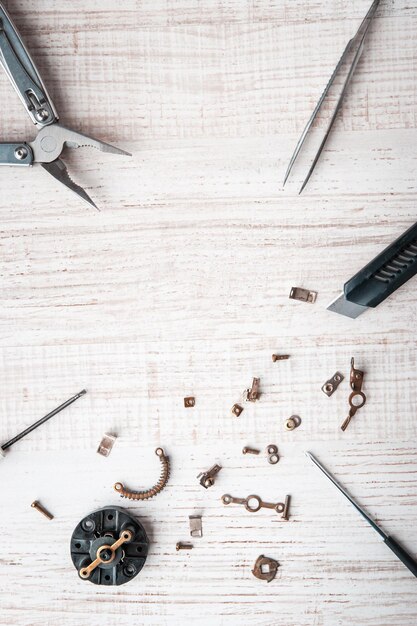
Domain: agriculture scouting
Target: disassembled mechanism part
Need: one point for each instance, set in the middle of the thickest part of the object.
(254, 503)
(41, 509)
(207, 479)
(357, 398)
(183, 546)
(293, 422)
(189, 402)
(149, 493)
(304, 295)
(196, 526)
(280, 357)
(332, 384)
(272, 452)
(109, 547)
(237, 410)
(106, 444)
(247, 450)
(252, 394)
(265, 568)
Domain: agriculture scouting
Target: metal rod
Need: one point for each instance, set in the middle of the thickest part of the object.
(345, 493)
(47, 417)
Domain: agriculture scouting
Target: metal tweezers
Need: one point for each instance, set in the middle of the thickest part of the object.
(357, 42)
(52, 137)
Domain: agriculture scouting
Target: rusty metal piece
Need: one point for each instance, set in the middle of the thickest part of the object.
(254, 503)
(272, 452)
(265, 568)
(196, 525)
(247, 450)
(106, 554)
(304, 295)
(106, 444)
(357, 398)
(332, 384)
(207, 479)
(252, 394)
(36, 505)
(293, 422)
(237, 410)
(189, 402)
(149, 493)
(280, 357)
(183, 546)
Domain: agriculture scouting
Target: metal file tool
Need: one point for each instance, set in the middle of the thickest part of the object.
(355, 48)
(380, 278)
(52, 137)
(395, 547)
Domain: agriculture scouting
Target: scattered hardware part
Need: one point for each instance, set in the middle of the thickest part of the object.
(357, 398)
(149, 493)
(237, 410)
(392, 544)
(247, 450)
(196, 526)
(36, 505)
(189, 402)
(265, 568)
(47, 417)
(109, 547)
(332, 384)
(280, 357)
(52, 137)
(254, 503)
(252, 394)
(272, 452)
(304, 295)
(207, 479)
(380, 278)
(293, 422)
(355, 48)
(183, 546)
(106, 444)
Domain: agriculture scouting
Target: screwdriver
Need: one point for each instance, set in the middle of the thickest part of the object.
(395, 547)
(47, 417)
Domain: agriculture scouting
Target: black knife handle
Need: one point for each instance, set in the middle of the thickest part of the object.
(386, 273)
(402, 554)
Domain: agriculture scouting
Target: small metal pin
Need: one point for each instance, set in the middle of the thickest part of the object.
(41, 509)
(280, 357)
(247, 450)
(286, 511)
(183, 546)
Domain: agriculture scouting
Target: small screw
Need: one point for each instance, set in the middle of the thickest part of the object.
(286, 512)
(183, 546)
(39, 507)
(41, 115)
(280, 357)
(247, 450)
(21, 153)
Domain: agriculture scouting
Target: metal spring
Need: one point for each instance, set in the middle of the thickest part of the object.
(149, 493)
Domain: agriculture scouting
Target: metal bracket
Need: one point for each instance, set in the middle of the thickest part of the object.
(332, 384)
(304, 295)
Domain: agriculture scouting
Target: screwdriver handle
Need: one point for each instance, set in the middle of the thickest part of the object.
(402, 554)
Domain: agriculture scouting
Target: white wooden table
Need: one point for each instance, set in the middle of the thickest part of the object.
(179, 286)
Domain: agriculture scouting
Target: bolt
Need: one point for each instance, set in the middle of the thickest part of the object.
(21, 153)
(106, 555)
(247, 450)
(39, 507)
(183, 546)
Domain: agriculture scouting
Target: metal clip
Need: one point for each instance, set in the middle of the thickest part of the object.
(332, 384)
(304, 295)
(106, 444)
(357, 398)
(196, 526)
(265, 568)
(251, 395)
(207, 478)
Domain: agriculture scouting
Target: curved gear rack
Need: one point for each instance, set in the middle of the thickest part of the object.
(149, 493)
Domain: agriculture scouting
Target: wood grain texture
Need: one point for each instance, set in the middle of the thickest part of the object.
(179, 286)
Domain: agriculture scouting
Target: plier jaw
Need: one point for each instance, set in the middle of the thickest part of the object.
(52, 138)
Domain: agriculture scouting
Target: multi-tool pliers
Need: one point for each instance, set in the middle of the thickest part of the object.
(52, 137)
